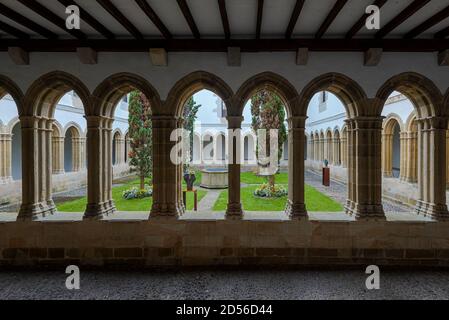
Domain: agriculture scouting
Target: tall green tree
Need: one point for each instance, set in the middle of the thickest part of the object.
(140, 133)
(268, 112)
(189, 114)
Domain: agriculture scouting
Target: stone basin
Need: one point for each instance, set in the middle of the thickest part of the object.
(214, 178)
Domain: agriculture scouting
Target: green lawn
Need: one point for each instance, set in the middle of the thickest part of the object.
(315, 201)
(122, 204)
(251, 178)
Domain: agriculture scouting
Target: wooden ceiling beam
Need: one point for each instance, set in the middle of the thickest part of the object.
(151, 14)
(27, 23)
(362, 20)
(401, 17)
(120, 17)
(224, 18)
(442, 33)
(339, 4)
(48, 15)
(259, 18)
(189, 18)
(13, 31)
(222, 45)
(429, 23)
(294, 18)
(87, 17)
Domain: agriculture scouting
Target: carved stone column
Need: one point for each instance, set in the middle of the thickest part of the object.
(403, 155)
(412, 157)
(336, 159)
(235, 144)
(344, 150)
(432, 168)
(447, 159)
(36, 168)
(296, 208)
(99, 171)
(365, 196)
(387, 148)
(166, 181)
(5, 158)
(58, 154)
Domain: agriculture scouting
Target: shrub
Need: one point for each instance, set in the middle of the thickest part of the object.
(265, 191)
(135, 193)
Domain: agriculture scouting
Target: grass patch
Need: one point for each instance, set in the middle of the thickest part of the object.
(251, 178)
(121, 204)
(315, 201)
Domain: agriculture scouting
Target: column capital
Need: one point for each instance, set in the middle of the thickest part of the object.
(165, 122)
(433, 123)
(297, 122)
(367, 122)
(98, 121)
(234, 122)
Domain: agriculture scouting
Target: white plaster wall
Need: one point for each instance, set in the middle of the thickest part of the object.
(182, 63)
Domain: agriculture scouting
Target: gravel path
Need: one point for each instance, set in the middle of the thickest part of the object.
(204, 285)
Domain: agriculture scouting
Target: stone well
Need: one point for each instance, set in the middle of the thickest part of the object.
(214, 178)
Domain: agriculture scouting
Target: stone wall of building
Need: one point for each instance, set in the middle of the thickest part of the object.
(157, 243)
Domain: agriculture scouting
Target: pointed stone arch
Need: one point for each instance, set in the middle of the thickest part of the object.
(45, 92)
(421, 91)
(7, 86)
(347, 90)
(109, 92)
(272, 82)
(191, 84)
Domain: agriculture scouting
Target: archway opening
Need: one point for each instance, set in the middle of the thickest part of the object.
(10, 154)
(325, 174)
(399, 152)
(264, 169)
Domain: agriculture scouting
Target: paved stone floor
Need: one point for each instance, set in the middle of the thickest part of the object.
(203, 285)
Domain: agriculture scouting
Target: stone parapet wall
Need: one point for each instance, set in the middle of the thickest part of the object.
(12, 191)
(152, 243)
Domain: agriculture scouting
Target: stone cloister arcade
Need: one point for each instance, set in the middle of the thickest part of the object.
(362, 136)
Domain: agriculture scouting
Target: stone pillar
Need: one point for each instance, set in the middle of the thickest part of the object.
(36, 168)
(99, 171)
(166, 184)
(403, 155)
(58, 154)
(336, 152)
(447, 159)
(364, 174)
(387, 149)
(344, 150)
(5, 158)
(296, 208)
(432, 168)
(412, 157)
(47, 166)
(235, 144)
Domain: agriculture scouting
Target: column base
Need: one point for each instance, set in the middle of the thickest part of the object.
(234, 211)
(166, 211)
(365, 211)
(99, 210)
(296, 211)
(55, 172)
(435, 211)
(36, 210)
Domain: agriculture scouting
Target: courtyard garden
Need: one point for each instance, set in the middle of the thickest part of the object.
(315, 200)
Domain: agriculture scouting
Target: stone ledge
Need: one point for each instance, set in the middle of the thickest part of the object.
(212, 243)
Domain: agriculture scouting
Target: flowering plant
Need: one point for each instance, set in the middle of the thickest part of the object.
(135, 193)
(267, 191)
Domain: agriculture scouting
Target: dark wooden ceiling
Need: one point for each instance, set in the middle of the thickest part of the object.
(191, 25)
